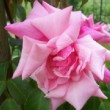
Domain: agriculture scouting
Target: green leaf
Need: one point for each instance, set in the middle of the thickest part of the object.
(15, 62)
(37, 101)
(3, 70)
(107, 93)
(76, 3)
(2, 87)
(84, 2)
(14, 41)
(9, 104)
(92, 104)
(70, 2)
(108, 86)
(21, 13)
(19, 89)
(66, 106)
(104, 106)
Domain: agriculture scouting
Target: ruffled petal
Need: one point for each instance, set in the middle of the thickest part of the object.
(84, 55)
(76, 21)
(27, 45)
(25, 28)
(57, 22)
(41, 77)
(37, 11)
(106, 76)
(36, 57)
(80, 91)
(63, 41)
(98, 55)
(96, 35)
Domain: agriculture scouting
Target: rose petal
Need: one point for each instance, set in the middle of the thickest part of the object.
(41, 77)
(63, 42)
(80, 91)
(96, 35)
(57, 22)
(58, 92)
(84, 55)
(25, 28)
(98, 55)
(76, 21)
(37, 56)
(106, 76)
(27, 45)
(37, 11)
(49, 8)
(100, 94)
(56, 102)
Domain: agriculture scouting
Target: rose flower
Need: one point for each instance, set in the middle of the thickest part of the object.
(61, 52)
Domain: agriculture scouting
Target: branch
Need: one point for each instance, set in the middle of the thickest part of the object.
(8, 11)
(4, 44)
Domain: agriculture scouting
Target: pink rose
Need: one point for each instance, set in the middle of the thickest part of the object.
(80, 22)
(66, 74)
(61, 54)
(98, 31)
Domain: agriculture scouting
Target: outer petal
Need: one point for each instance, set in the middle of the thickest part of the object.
(27, 45)
(37, 56)
(56, 102)
(76, 20)
(40, 76)
(106, 76)
(97, 64)
(103, 37)
(96, 35)
(107, 55)
(87, 41)
(89, 21)
(25, 28)
(58, 92)
(98, 55)
(80, 91)
(37, 11)
(100, 94)
(49, 8)
(75, 17)
(57, 22)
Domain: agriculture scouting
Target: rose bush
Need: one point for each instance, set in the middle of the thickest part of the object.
(61, 52)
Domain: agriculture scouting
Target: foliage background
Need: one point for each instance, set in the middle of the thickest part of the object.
(101, 13)
(16, 94)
